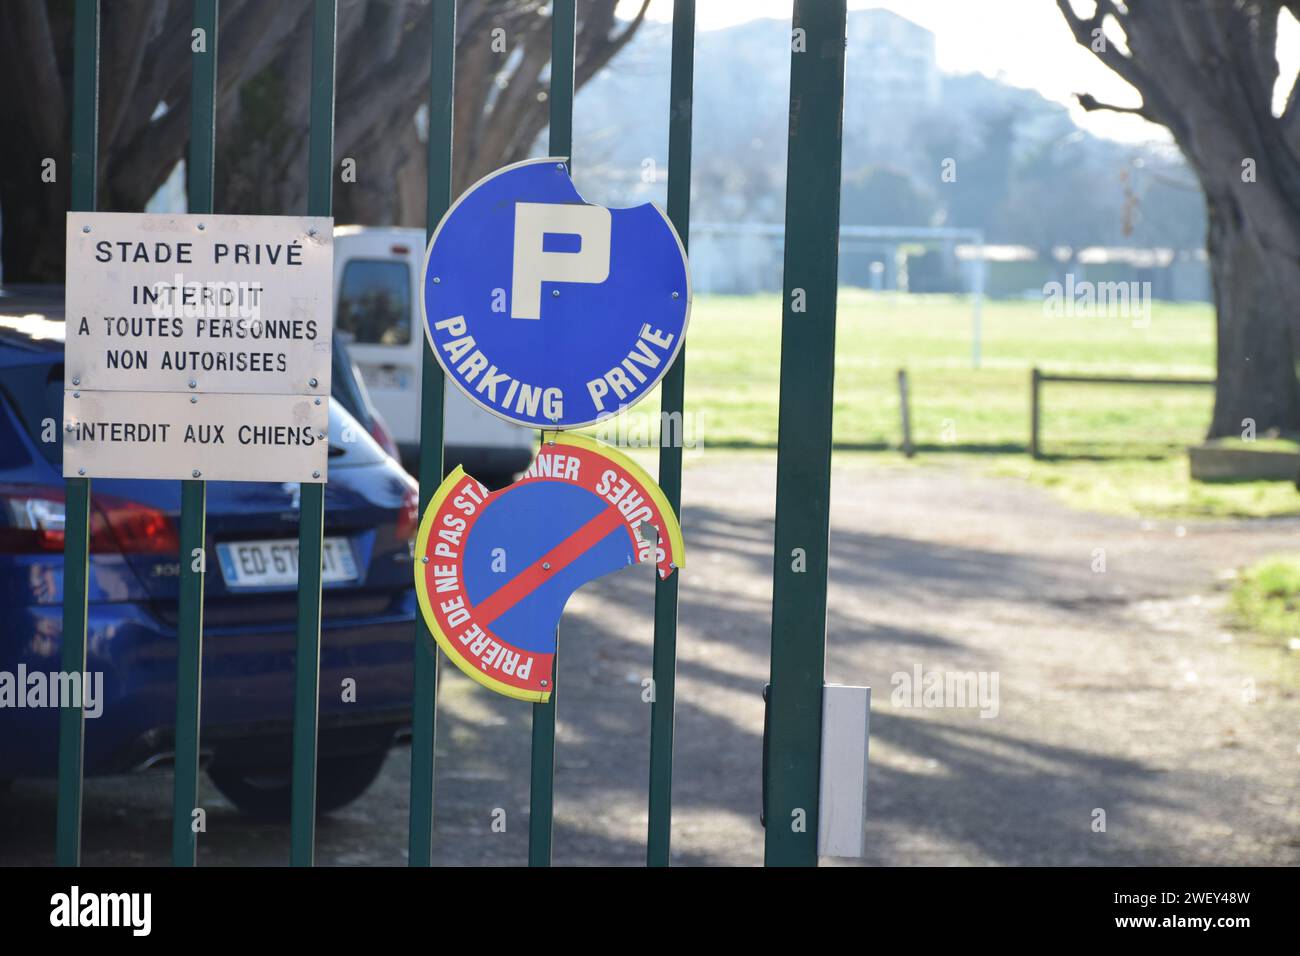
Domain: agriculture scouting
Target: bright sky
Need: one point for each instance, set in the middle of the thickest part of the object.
(1023, 42)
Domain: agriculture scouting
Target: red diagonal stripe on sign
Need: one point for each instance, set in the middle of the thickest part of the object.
(534, 576)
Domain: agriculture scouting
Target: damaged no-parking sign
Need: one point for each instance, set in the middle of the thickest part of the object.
(494, 570)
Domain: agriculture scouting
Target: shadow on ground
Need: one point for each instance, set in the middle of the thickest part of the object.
(947, 786)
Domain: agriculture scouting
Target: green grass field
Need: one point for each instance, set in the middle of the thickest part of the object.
(1266, 598)
(1113, 448)
(734, 354)
(1265, 607)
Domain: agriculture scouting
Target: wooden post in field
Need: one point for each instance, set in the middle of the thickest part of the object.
(1035, 378)
(905, 412)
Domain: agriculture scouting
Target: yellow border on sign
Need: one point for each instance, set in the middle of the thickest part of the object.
(651, 486)
(426, 607)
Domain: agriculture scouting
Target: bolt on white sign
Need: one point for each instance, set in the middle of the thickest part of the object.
(198, 346)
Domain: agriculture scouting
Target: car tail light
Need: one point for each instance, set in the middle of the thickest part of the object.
(408, 519)
(382, 436)
(32, 520)
(133, 528)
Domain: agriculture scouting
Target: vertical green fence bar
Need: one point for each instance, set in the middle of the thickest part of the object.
(541, 796)
(194, 493)
(424, 707)
(803, 475)
(76, 529)
(671, 403)
(311, 527)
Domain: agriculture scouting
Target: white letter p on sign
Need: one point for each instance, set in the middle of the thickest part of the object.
(533, 265)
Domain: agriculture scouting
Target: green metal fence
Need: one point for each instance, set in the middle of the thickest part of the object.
(194, 494)
(425, 704)
(76, 539)
(791, 761)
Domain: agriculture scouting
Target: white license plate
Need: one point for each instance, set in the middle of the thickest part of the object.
(379, 377)
(263, 564)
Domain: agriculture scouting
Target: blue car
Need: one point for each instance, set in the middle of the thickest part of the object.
(369, 605)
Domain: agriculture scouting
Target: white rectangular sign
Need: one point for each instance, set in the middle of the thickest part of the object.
(207, 310)
(214, 437)
(842, 809)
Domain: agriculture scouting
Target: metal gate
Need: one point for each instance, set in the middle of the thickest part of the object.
(791, 775)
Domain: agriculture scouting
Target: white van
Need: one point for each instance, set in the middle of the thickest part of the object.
(378, 273)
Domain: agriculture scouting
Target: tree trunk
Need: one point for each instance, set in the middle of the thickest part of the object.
(1252, 242)
(389, 188)
(1255, 296)
(33, 128)
(32, 243)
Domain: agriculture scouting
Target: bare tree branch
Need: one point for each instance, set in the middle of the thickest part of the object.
(262, 103)
(1091, 103)
(1083, 30)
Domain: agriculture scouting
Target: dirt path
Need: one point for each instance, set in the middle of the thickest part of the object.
(1117, 691)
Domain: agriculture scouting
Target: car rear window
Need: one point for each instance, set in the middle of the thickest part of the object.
(375, 302)
(35, 395)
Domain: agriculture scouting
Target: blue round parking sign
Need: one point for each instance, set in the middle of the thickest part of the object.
(549, 311)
